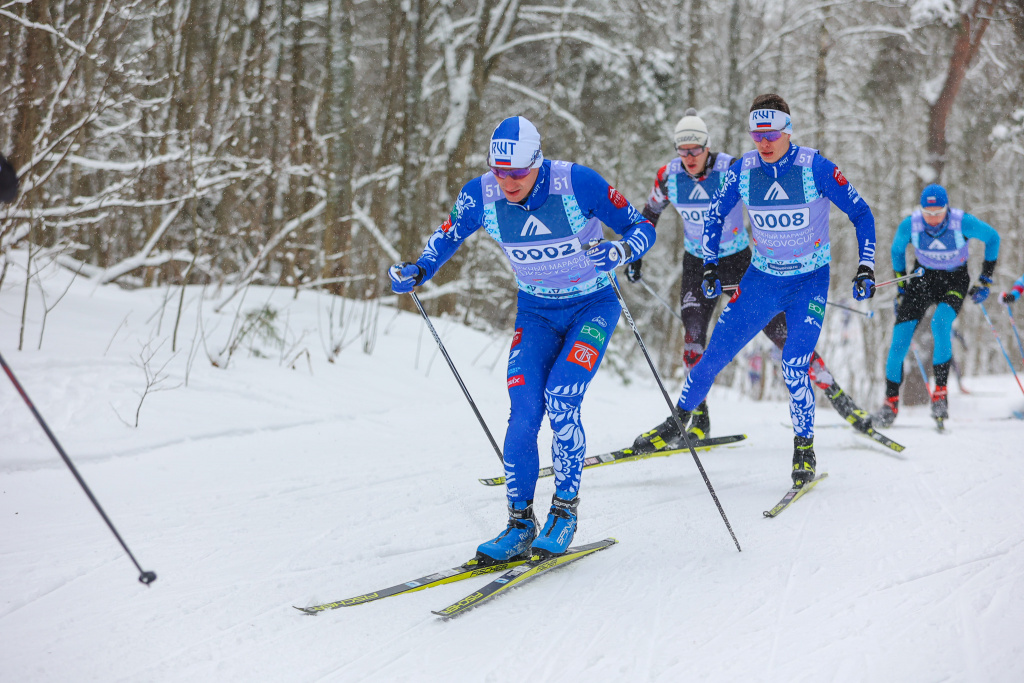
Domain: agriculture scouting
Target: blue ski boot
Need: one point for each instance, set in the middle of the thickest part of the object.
(515, 539)
(560, 528)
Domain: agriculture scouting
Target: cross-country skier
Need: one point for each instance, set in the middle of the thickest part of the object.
(1015, 292)
(787, 190)
(687, 182)
(8, 181)
(939, 235)
(543, 213)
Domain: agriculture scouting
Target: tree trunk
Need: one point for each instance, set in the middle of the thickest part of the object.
(967, 40)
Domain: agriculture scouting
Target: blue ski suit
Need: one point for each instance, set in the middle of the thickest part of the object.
(567, 309)
(788, 205)
(943, 252)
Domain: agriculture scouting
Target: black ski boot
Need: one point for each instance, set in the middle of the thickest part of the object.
(803, 460)
(846, 408)
(664, 436)
(700, 422)
(940, 407)
(886, 415)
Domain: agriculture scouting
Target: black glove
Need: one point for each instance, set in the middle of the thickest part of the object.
(8, 181)
(1009, 297)
(633, 270)
(711, 286)
(864, 283)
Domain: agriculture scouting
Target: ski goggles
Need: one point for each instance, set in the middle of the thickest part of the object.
(691, 152)
(769, 135)
(940, 211)
(513, 173)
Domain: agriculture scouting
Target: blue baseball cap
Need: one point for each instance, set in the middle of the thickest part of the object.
(934, 197)
(515, 143)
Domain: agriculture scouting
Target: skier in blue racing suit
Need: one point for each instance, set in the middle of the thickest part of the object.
(787, 191)
(543, 214)
(939, 235)
(687, 182)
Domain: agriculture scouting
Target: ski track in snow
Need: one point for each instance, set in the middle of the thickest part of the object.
(258, 487)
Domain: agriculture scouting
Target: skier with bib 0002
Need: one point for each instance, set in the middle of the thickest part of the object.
(787, 191)
(543, 214)
(687, 182)
(939, 235)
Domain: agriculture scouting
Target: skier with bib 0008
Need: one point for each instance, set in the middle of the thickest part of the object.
(939, 236)
(787, 190)
(543, 214)
(687, 182)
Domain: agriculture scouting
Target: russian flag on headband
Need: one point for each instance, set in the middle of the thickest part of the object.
(932, 200)
(765, 124)
(502, 162)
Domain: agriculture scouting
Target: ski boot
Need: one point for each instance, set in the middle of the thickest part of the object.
(886, 415)
(700, 422)
(515, 539)
(803, 460)
(664, 435)
(560, 528)
(940, 407)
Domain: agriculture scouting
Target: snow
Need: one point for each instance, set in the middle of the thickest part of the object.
(257, 487)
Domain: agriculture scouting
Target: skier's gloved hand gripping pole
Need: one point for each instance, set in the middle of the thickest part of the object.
(598, 248)
(145, 577)
(405, 276)
(1001, 348)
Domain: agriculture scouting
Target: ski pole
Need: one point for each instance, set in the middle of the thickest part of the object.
(455, 372)
(920, 366)
(1001, 348)
(144, 576)
(917, 273)
(679, 424)
(663, 302)
(1015, 332)
(866, 314)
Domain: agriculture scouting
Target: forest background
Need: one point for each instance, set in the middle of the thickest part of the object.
(310, 144)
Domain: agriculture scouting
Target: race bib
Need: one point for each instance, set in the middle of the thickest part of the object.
(779, 220)
(542, 253)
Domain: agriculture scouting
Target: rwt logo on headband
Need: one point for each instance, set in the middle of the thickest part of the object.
(770, 119)
(502, 151)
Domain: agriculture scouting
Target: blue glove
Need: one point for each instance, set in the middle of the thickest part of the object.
(864, 283)
(979, 292)
(711, 286)
(404, 276)
(607, 255)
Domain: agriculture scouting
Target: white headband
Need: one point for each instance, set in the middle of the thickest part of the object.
(770, 119)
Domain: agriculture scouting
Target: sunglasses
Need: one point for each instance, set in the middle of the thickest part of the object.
(513, 173)
(934, 212)
(769, 135)
(691, 152)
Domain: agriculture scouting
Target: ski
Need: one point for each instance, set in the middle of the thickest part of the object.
(793, 495)
(520, 575)
(860, 419)
(463, 571)
(628, 455)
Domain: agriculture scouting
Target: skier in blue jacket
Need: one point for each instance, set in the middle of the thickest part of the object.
(687, 182)
(939, 235)
(787, 191)
(543, 214)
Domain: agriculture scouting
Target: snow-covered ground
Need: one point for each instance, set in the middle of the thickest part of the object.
(258, 487)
